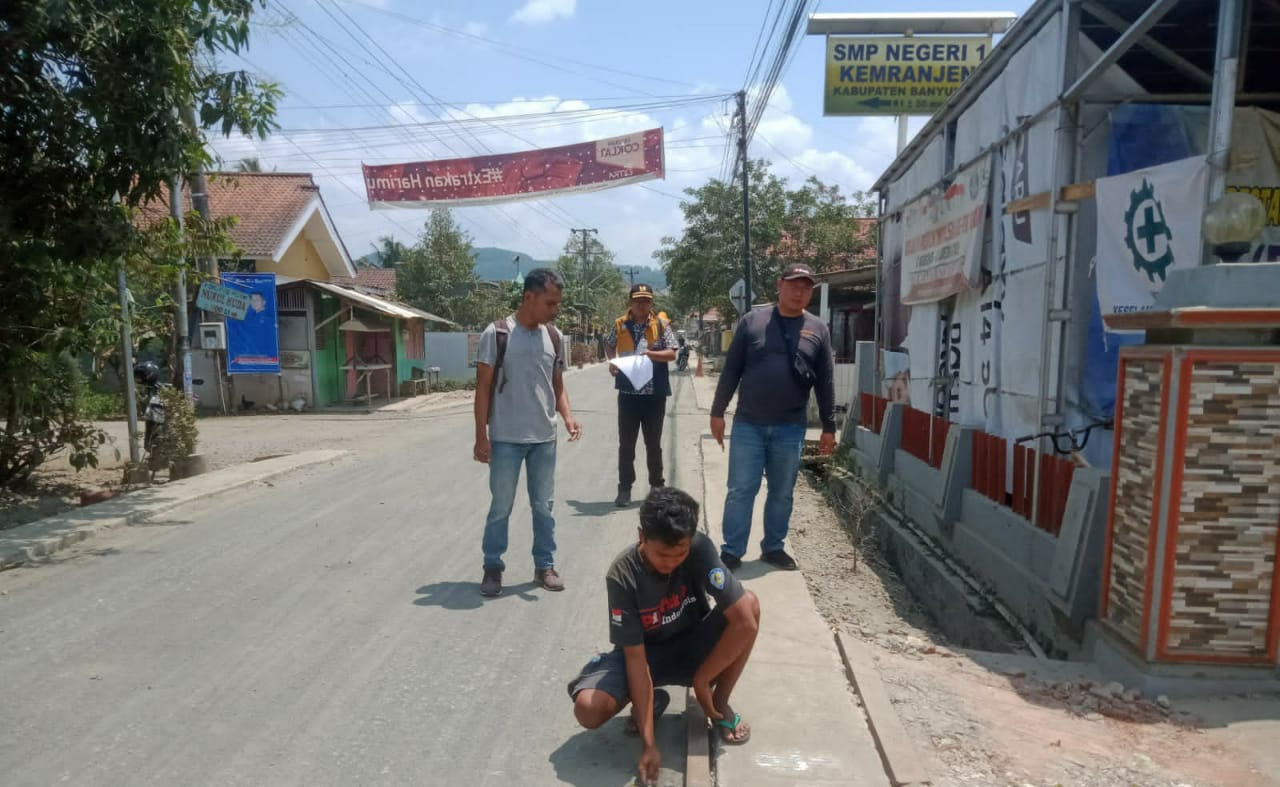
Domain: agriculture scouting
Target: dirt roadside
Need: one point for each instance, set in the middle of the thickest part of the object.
(1002, 719)
(226, 441)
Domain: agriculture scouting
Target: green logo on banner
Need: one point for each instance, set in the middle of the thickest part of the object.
(1146, 233)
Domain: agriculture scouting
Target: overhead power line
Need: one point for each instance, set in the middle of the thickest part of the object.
(529, 55)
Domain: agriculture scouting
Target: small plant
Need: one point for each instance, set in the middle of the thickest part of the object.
(95, 406)
(41, 419)
(177, 441)
(455, 385)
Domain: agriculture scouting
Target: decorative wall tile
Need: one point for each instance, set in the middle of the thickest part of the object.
(1135, 495)
(1229, 511)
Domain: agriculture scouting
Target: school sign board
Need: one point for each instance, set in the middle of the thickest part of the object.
(898, 75)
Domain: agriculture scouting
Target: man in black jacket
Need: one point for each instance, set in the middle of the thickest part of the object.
(777, 357)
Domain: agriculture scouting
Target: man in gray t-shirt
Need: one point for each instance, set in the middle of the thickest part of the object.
(517, 398)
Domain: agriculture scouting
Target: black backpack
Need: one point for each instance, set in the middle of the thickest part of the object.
(501, 334)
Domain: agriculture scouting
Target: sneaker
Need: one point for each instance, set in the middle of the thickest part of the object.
(548, 578)
(491, 585)
(780, 559)
(624, 497)
(730, 562)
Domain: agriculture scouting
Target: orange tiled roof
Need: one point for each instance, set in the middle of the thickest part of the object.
(267, 205)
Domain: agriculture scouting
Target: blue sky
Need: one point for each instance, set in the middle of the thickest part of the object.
(660, 63)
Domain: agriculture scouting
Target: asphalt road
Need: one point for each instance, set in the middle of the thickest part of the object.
(328, 630)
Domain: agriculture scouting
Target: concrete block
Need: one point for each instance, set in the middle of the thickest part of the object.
(918, 475)
(963, 615)
(867, 441)
(917, 506)
(957, 474)
(1076, 574)
(1225, 285)
(1117, 661)
(890, 439)
(1007, 554)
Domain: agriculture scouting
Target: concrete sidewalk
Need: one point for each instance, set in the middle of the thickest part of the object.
(807, 725)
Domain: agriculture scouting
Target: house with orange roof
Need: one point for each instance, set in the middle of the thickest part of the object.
(338, 340)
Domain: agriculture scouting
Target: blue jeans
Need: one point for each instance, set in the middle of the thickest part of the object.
(504, 475)
(755, 451)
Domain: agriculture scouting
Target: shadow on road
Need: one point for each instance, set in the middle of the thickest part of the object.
(752, 569)
(600, 508)
(607, 758)
(466, 595)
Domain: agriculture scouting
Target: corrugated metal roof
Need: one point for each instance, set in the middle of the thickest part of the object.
(381, 280)
(378, 304)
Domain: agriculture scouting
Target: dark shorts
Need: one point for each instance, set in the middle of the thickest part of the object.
(671, 663)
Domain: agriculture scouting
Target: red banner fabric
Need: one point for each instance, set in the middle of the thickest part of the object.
(510, 177)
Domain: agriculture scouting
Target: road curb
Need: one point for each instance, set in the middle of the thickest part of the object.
(34, 540)
(899, 756)
(697, 764)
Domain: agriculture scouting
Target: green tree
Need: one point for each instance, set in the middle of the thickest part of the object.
(390, 252)
(90, 130)
(822, 226)
(437, 273)
(814, 224)
(593, 285)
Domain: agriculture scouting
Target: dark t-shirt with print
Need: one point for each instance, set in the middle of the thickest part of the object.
(646, 607)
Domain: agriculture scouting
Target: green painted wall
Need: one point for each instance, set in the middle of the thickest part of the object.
(404, 367)
(328, 376)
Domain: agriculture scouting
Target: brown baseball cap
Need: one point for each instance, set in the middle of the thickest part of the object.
(799, 272)
(641, 292)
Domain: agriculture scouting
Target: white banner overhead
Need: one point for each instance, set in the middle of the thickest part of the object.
(1148, 225)
(943, 233)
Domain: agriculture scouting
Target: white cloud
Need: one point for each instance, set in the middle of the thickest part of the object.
(475, 28)
(850, 152)
(536, 12)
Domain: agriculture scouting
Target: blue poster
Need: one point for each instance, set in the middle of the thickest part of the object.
(253, 344)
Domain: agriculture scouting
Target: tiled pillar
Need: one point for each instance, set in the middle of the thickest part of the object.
(1194, 525)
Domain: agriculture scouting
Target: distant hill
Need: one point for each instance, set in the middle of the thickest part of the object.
(494, 264)
(654, 277)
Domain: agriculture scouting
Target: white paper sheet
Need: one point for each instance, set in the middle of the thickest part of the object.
(637, 368)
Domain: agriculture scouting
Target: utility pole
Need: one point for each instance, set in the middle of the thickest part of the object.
(180, 297)
(130, 388)
(200, 201)
(746, 197)
(585, 231)
(631, 273)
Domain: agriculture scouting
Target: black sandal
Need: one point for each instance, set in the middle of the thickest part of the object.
(661, 699)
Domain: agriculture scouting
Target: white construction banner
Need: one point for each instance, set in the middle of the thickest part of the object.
(1148, 225)
(942, 249)
(1025, 170)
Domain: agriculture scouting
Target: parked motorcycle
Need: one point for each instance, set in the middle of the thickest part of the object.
(147, 375)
